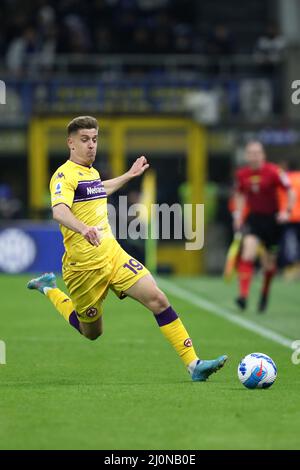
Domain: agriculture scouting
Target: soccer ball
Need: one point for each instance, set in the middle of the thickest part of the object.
(257, 370)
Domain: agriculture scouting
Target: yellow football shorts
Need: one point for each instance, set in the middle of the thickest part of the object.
(88, 289)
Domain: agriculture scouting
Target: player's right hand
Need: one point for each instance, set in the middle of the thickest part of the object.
(91, 234)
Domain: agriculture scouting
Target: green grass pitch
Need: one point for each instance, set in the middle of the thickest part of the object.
(128, 389)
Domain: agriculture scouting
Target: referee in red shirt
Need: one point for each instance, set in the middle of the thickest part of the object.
(256, 186)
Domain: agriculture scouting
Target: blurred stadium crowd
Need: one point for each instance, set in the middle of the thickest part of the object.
(34, 35)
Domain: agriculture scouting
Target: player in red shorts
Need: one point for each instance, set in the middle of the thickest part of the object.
(256, 185)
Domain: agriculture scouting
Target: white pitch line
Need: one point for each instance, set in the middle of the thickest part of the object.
(190, 297)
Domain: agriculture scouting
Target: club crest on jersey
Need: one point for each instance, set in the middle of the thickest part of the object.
(188, 343)
(60, 175)
(91, 312)
(255, 183)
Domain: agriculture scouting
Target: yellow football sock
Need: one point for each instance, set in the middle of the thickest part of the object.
(174, 331)
(64, 306)
(61, 302)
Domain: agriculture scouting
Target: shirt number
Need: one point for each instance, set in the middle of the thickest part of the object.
(133, 265)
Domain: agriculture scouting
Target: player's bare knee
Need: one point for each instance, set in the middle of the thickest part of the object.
(92, 331)
(159, 301)
(249, 250)
(248, 256)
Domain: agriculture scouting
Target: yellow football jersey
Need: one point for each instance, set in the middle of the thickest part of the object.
(82, 190)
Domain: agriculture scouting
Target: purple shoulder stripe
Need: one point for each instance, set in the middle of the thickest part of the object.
(89, 190)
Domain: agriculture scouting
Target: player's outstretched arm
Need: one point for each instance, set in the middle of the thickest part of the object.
(284, 215)
(137, 169)
(63, 215)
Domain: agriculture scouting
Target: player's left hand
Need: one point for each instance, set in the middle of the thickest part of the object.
(283, 217)
(138, 168)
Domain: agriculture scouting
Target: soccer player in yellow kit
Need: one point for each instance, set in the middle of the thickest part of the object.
(94, 262)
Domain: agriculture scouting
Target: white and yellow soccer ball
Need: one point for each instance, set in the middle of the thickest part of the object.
(257, 370)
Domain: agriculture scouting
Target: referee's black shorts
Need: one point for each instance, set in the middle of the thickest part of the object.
(264, 227)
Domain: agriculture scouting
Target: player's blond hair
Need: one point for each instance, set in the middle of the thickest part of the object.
(82, 122)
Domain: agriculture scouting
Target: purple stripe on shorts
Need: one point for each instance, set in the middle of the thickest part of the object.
(166, 317)
(73, 320)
